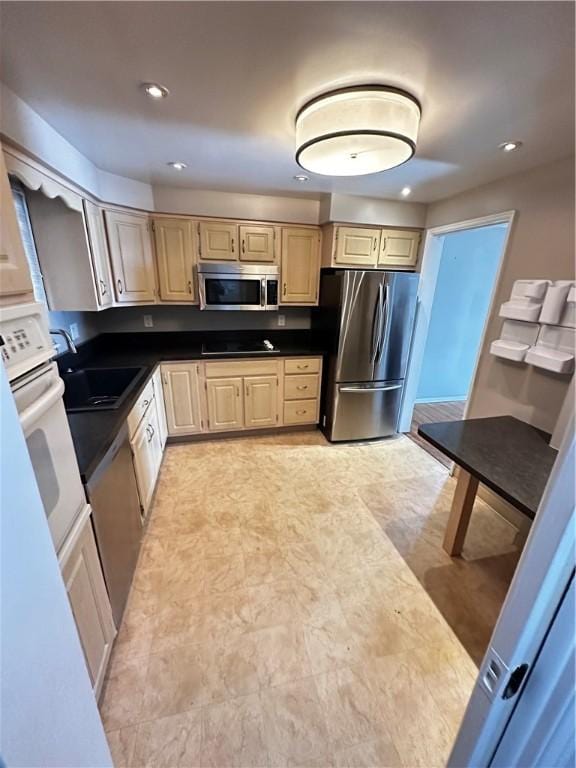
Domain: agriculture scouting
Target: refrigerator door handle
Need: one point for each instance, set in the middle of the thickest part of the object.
(370, 389)
(376, 325)
(384, 322)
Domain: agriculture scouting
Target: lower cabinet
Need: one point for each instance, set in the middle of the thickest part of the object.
(147, 451)
(260, 401)
(160, 406)
(84, 581)
(225, 404)
(181, 385)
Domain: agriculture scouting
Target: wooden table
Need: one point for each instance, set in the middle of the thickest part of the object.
(507, 455)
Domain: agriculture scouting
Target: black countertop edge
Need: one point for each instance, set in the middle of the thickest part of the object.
(93, 432)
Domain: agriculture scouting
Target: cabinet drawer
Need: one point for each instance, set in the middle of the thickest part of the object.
(302, 365)
(241, 368)
(301, 412)
(140, 407)
(298, 387)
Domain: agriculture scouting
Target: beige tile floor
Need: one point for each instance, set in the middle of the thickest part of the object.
(275, 618)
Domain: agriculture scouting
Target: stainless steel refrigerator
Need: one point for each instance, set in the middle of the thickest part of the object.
(369, 317)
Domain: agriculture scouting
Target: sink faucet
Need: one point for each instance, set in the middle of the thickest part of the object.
(70, 344)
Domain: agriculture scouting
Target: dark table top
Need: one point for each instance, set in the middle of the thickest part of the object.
(512, 458)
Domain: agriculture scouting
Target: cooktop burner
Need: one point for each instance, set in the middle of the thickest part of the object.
(238, 348)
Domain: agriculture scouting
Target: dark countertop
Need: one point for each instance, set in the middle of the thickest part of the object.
(511, 457)
(93, 432)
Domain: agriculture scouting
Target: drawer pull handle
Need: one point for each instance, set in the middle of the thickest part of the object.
(302, 367)
(302, 413)
(103, 290)
(302, 386)
(119, 283)
(145, 403)
(243, 246)
(232, 245)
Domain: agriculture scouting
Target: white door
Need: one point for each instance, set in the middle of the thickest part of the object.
(182, 397)
(99, 251)
(175, 249)
(225, 404)
(131, 255)
(43, 418)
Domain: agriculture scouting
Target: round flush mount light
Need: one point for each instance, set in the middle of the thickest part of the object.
(357, 130)
(302, 178)
(155, 90)
(510, 146)
(405, 191)
(177, 165)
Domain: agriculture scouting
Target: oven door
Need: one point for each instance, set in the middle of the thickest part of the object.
(229, 291)
(38, 397)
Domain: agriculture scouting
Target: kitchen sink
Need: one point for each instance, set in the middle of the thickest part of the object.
(99, 389)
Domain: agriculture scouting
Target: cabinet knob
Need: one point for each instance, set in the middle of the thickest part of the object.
(119, 284)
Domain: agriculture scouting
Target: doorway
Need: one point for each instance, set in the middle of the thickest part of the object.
(459, 273)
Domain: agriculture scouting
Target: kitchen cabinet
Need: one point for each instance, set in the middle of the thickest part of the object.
(14, 271)
(182, 397)
(147, 453)
(257, 244)
(160, 406)
(398, 248)
(302, 378)
(99, 252)
(218, 241)
(260, 401)
(86, 589)
(355, 246)
(131, 257)
(225, 404)
(175, 241)
(300, 266)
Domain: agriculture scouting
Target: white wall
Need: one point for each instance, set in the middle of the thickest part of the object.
(48, 714)
(375, 211)
(86, 325)
(541, 245)
(236, 205)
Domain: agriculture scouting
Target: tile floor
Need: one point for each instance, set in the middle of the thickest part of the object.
(280, 616)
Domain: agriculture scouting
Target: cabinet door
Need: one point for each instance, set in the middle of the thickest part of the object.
(131, 256)
(160, 407)
(82, 575)
(225, 404)
(261, 401)
(300, 266)
(175, 249)
(257, 244)
(99, 253)
(356, 246)
(182, 398)
(399, 248)
(14, 271)
(218, 241)
(144, 461)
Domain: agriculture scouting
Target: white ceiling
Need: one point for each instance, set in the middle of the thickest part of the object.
(485, 72)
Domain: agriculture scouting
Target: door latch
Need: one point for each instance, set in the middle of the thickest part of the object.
(515, 681)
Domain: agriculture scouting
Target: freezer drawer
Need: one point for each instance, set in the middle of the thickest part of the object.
(364, 411)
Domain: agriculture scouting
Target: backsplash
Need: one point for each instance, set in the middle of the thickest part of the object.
(86, 326)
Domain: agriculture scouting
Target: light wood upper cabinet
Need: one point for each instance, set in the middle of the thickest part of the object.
(218, 241)
(182, 396)
(399, 248)
(300, 266)
(82, 575)
(175, 257)
(356, 246)
(225, 404)
(261, 401)
(131, 256)
(99, 252)
(14, 271)
(257, 244)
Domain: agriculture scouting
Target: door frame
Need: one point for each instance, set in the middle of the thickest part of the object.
(432, 254)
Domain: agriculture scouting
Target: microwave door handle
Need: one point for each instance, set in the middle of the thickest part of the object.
(31, 414)
(263, 292)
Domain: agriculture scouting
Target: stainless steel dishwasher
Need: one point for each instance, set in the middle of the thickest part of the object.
(113, 495)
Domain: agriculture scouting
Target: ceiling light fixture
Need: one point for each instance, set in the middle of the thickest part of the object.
(177, 165)
(405, 191)
(510, 146)
(302, 178)
(357, 130)
(155, 90)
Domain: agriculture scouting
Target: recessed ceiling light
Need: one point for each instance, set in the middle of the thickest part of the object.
(155, 90)
(301, 177)
(357, 130)
(177, 165)
(510, 146)
(405, 191)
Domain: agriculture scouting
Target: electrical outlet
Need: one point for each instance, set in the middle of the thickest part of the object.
(148, 322)
(74, 332)
(282, 320)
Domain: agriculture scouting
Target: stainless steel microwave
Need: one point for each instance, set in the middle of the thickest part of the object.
(238, 286)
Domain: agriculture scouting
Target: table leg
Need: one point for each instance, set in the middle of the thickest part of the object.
(460, 512)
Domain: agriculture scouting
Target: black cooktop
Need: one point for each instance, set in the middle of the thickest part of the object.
(238, 348)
